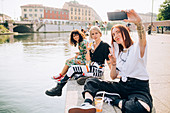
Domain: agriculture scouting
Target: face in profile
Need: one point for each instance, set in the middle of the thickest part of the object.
(117, 36)
(95, 35)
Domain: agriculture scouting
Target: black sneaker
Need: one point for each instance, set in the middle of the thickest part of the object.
(82, 79)
(108, 97)
(84, 108)
(56, 91)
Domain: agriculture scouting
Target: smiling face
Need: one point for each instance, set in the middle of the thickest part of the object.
(95, 34)
(117, 36)
(76, 37)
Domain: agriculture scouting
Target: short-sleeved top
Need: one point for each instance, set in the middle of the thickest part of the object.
(101, 53)
(130, 63)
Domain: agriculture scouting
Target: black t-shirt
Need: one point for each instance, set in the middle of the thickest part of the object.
(101, 53)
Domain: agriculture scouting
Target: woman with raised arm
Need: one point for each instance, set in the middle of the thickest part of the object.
(132, 91)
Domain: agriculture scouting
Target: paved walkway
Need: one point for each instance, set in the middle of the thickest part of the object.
(158, 68)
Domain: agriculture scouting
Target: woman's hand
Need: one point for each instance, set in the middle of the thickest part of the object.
(133, 17)
(88, 47)
(112, 56)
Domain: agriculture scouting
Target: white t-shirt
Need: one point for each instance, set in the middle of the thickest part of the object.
(130, 63)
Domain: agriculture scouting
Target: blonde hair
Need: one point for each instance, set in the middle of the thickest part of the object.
(95, 28)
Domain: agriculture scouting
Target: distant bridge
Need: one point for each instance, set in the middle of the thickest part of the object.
(157, 23)
(25, 26)
(22, 26)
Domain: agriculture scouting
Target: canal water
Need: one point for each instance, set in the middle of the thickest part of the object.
(27, 63)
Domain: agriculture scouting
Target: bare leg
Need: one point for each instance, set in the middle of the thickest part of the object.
(65, 69)
(88, 96)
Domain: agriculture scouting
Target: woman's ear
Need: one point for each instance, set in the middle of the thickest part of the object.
(100, 34)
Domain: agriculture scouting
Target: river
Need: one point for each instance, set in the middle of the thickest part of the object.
(27, 63)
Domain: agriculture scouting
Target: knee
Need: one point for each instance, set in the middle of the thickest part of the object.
(137, 106)
(146, 106)
(92, 80)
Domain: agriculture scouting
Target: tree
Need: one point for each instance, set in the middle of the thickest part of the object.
(164, 11)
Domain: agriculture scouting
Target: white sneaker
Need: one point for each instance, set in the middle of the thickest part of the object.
(84, 108)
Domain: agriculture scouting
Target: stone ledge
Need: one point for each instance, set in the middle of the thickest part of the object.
(74, 98)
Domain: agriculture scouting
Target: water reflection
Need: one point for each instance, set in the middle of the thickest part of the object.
(27, 62)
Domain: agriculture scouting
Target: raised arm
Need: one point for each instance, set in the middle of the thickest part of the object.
(112, 57)
(133, 17)
(88, 53)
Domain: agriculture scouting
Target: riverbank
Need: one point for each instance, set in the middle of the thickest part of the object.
(158, 67)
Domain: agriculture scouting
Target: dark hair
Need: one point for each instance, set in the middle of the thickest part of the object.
(81, 37)
(125, 33)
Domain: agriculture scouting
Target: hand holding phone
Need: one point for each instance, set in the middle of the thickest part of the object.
(113, 16)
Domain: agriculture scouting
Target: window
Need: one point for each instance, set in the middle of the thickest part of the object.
(79, 18)
(75, 18)
(54, 16)
(25, 9)
(79, 10)
(75, 9)
(30, 10)
(41, 10)
(51, 11)
(35, 10)
(89, 18)
(35, 15)
(25, 15)
(55, 12)
(41, 15)
(30, 15)
(46, 16)
(50, 16)
(62, 13)
(46, 11)
(71, 12)
(71, 9)
(59, 17)
(75, 13)
(71, 17)
(59, 12)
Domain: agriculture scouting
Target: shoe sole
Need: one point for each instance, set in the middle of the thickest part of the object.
(79, 110)
(49, 94)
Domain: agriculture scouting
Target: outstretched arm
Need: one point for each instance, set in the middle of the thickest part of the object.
(133, 17)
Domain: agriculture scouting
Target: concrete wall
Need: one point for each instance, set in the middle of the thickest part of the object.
(53, 28)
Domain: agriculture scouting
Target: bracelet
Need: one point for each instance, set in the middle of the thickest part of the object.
(114, 64)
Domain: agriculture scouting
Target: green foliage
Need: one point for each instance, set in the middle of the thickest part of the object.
(164, 11)
(3, 29)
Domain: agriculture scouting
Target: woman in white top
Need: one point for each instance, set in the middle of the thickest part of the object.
(132, 91)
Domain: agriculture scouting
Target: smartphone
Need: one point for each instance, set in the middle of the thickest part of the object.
(113, 16)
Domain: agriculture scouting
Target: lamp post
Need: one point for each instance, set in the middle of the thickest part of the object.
(152, 16)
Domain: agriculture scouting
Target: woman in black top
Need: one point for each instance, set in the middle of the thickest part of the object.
(96, 54)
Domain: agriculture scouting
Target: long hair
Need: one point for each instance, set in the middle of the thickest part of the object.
(125, 34)
(81, 37)
(95, 28)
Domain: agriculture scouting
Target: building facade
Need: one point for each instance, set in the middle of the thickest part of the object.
(32, 12)
(4, 17)
(147, 17)
(81, 13)
(40, 13)
(55, 15)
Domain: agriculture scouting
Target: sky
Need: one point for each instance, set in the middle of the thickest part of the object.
(12, 7)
